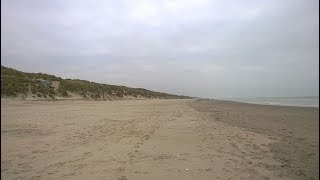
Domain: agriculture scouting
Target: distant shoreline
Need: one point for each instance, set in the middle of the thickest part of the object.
(289, 101)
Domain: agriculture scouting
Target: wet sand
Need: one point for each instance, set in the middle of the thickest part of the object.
(296, 130)
(157, 139)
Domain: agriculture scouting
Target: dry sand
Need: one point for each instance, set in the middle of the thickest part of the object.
(156, 139)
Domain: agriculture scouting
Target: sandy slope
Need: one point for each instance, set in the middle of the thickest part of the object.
(146, 139)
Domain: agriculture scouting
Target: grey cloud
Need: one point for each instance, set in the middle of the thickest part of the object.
(199, 48)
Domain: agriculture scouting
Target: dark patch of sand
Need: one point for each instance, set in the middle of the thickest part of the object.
(295, 128)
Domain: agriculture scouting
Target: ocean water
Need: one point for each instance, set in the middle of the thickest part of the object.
(309, 101)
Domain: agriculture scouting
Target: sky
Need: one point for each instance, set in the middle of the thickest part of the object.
(211, 49)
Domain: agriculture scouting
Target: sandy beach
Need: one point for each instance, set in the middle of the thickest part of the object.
(157, 139)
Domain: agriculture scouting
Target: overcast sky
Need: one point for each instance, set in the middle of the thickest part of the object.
(199, 48)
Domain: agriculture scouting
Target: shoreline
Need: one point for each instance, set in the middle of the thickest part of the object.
(268, 103)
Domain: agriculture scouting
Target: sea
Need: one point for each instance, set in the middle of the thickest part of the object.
(305, 101)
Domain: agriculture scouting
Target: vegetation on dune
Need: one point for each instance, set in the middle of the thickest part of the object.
(15, 82)
(99, 91)
(5, 71)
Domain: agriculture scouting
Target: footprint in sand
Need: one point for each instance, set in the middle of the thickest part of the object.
(122, 178)
(146, 137)
(208, 169)
(131, 155)
(225, 169)
(120, 169)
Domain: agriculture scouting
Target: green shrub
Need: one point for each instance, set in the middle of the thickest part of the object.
(64, 93)
(50, 95)
(33, 90)
(97, 96)
(83, 94)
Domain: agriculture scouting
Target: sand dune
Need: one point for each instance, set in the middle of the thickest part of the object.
(133, 139)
